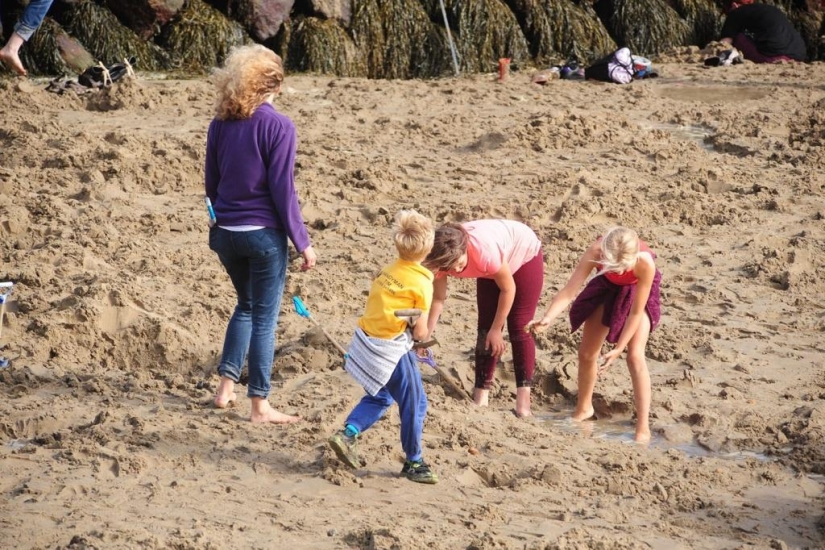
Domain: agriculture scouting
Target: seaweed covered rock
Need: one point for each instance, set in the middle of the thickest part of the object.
(107, 39)
(398, 40)
(562, 29)
(340, 10)
(200, 37)
(485, 30)
(145, 17)
(647, 27)
(52, 51)
(323, 46)
(703, 17)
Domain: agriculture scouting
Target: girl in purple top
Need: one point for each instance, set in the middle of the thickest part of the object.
(504, 257)
(250, 156)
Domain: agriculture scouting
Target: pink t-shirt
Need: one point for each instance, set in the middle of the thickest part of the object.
(493, 242)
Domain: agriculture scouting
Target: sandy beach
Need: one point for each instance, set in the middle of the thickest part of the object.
(107, 435)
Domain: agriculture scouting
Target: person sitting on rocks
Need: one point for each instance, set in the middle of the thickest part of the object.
(762, 33)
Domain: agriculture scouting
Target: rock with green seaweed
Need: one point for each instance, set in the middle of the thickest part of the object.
(200, 37)
(107, 39)
(323, 46)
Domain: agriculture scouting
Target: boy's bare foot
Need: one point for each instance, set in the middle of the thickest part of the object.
(581, 416)
(273, 417)
(9, 57)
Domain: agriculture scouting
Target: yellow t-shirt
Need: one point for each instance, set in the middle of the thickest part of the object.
(401, 285)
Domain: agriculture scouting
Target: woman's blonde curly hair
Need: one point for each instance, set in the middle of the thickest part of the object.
(250, 76)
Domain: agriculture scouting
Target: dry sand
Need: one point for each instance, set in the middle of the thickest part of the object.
(107, 439)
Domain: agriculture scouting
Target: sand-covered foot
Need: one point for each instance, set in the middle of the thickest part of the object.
(481, 397)
(522, 413)
(272, 416)
(11, 60)
(224, 401)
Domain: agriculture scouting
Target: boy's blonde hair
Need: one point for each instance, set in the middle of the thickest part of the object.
(251, 76)
(620, 250)
(413, 235)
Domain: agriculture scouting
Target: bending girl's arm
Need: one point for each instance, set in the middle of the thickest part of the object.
(507, 295)
(439, 295)
(645, 270)
(566, 295)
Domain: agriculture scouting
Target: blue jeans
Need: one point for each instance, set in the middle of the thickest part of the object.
(256, 263)
(404, 387)
(32, 17)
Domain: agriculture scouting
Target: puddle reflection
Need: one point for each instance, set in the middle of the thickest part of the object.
(623, 430)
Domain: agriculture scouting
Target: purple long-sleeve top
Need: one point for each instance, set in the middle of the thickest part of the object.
(249, 173)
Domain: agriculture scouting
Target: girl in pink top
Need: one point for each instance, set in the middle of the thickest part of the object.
(505, 259)
(620, 304)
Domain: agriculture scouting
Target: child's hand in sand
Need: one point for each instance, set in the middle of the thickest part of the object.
(607, 359)
(537, 326)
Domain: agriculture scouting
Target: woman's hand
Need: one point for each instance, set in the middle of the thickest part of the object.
(309, 258)
(495, 343)
(607, 359)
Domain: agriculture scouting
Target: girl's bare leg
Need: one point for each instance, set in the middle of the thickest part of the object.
(481, 397)
(226, 393)
(639, 375)
(593, 335)
(523, 402)
(262, 412)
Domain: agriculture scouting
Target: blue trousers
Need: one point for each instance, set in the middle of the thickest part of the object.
(256, 263)
(32, 17)
(405, 388)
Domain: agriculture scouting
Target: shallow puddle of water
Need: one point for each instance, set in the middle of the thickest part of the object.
(17, 444)
(712, 94)
(622, 430)
(691, 132)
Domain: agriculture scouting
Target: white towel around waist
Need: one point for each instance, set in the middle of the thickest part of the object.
(371, 361)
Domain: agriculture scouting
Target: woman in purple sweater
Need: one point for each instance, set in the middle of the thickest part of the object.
(250, 156)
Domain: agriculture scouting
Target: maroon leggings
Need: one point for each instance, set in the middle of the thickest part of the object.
(529, 280)
(746, 45)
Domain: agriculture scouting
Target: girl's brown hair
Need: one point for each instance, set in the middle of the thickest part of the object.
(449, 244)
(251, 76)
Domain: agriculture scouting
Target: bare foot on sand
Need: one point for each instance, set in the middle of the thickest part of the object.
(274, 417)
(9, 57)
(523, 403)
(481, 397)
(581, 416)
(642, 436)
(226, 394)
(222, 402)
(263, 413)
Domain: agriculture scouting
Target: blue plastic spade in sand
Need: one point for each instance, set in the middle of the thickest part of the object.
(302, 310)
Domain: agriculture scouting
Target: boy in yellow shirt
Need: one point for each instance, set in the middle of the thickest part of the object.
(380, 357)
